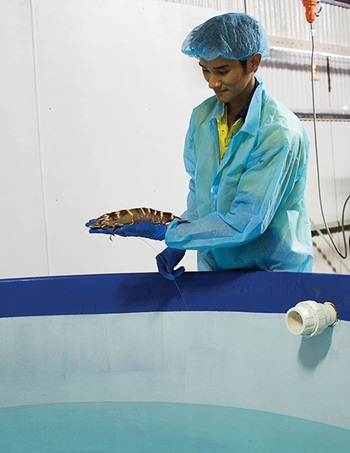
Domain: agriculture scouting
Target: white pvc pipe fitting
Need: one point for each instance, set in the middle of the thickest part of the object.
(311, 318)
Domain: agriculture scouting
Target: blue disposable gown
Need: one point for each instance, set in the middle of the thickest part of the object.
(247, 211)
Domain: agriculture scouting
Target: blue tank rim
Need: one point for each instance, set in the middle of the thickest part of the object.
(232, 291)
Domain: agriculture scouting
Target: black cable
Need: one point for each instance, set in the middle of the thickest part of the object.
(345, 254)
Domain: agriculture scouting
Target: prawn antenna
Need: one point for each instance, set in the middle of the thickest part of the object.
(165, 264)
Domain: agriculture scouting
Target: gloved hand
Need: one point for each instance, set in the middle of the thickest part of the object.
(147, 230)
(166, 262)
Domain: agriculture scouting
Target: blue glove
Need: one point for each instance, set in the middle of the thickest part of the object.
(166, 262)
(147, 230)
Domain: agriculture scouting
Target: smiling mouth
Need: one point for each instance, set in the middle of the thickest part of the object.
(219, 92)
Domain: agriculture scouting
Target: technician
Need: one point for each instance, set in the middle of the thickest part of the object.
(246, 155)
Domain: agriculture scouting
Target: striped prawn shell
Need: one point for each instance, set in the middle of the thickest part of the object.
(123, 217)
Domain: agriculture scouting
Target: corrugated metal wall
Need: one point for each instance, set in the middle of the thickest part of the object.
(219, 5)
(286, 19)
(290, 37)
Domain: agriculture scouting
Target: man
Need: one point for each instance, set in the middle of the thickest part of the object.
(246, 155)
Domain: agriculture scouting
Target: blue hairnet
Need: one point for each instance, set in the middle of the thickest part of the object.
(234, 36)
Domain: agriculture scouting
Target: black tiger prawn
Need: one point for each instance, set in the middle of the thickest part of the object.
(118, 219)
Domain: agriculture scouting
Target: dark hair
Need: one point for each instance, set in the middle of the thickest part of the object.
(244, 64)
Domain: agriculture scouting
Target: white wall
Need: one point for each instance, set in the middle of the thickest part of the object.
(96, 98)
(22, 228)
(97, 102)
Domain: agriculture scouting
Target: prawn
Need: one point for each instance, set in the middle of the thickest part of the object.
(118, 219)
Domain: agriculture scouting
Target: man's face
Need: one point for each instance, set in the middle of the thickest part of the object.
(228, 78)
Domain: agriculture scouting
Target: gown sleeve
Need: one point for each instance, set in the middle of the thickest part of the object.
(269, 178)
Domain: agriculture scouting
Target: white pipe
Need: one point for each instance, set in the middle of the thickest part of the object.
(311, 318)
